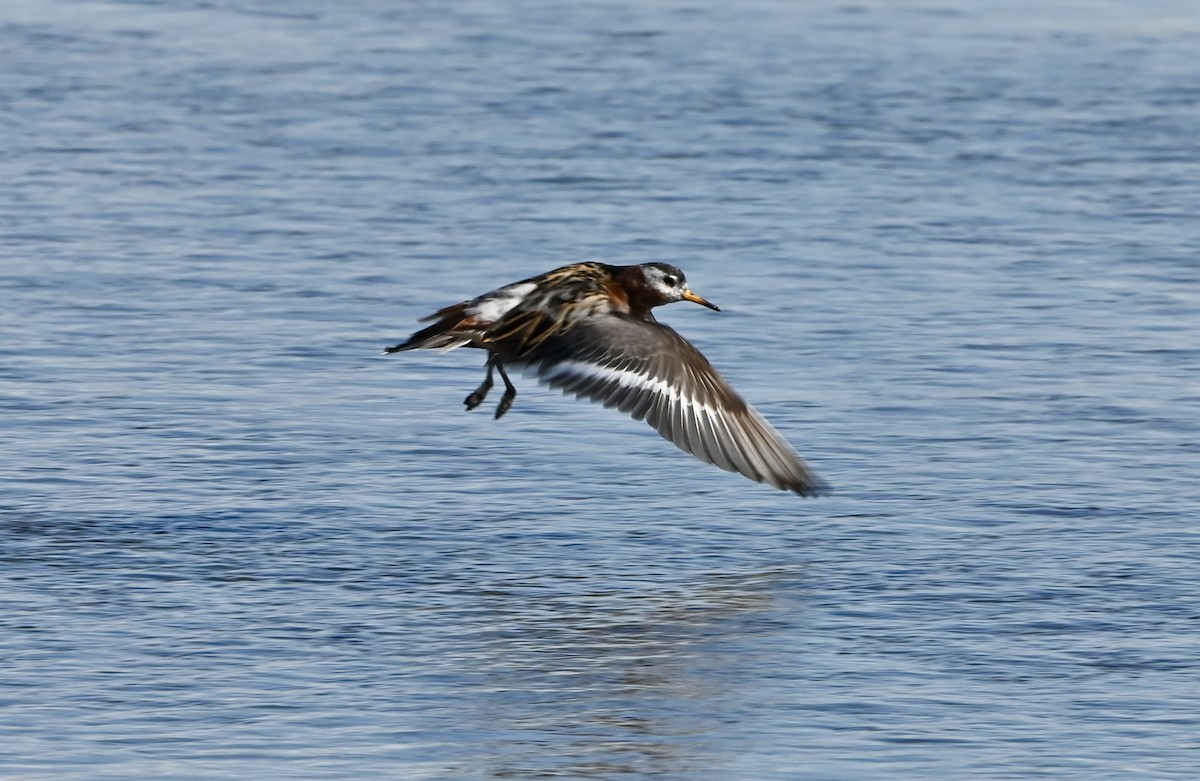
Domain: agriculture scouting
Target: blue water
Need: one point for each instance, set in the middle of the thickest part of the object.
(956, 249)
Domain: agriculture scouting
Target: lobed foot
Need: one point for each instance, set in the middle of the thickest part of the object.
(475, 399)
(505, 402)
(479, 394)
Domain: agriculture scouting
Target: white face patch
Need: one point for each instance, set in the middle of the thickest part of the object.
(658, 280)
(499, 303)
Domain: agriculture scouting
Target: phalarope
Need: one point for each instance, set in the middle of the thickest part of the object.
(587, 329)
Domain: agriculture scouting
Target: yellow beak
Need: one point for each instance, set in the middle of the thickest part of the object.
(695, 299)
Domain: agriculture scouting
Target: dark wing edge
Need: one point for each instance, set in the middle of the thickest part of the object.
(650, 372)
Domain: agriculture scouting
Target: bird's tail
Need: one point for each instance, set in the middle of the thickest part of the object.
(451, 331)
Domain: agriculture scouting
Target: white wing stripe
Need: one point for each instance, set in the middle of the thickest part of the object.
(626, 378)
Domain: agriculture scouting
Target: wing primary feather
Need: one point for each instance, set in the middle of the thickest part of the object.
(666, 418)
(782, 463)
(692, 412)
(791, 472)
(712, 442)
(755, 467)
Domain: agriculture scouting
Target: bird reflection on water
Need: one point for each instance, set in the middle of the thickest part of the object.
(605, 683)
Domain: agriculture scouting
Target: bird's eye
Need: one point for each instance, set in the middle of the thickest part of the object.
(671, 280)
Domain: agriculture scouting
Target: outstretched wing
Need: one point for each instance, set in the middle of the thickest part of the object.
(649, 371)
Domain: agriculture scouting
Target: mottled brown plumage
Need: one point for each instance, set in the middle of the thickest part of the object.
(587, 329)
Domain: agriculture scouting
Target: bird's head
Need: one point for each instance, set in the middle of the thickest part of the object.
(667, 284)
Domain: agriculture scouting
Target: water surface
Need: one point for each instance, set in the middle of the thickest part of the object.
(956, 254)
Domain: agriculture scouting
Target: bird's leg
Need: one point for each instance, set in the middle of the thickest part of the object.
(510, 392)
(479, 394)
